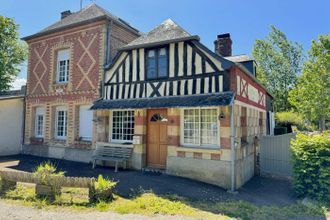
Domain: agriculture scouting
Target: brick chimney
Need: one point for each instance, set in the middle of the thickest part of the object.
(65, 14)
(222, 45)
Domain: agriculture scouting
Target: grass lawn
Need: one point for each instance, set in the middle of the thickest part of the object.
(148, 203)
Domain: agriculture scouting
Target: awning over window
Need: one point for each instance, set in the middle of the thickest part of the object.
(217, 99)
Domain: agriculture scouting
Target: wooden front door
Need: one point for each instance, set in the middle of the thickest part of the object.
(157, 138)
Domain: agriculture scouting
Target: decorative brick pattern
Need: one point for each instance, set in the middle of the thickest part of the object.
(86, 44)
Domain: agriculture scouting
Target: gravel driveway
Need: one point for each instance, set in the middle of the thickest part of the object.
(30, 213)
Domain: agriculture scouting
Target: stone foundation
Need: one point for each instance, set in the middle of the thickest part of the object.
(65, 153)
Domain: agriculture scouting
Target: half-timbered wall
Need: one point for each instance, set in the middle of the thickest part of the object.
(247, 90)
(191, 71)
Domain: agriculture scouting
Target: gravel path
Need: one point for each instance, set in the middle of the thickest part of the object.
(14, 211)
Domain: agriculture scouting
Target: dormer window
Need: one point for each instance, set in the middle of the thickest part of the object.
(157, 63)
(63, 61)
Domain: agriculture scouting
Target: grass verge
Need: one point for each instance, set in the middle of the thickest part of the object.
(147, 203)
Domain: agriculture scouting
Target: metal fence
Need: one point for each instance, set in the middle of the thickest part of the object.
(275, 155)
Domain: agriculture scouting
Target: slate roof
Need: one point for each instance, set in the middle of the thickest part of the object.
(239, 58)
(215, 99)
(168, 31)
(12, 94)
(90, 13)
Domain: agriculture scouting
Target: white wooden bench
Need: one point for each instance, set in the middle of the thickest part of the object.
(116, 154)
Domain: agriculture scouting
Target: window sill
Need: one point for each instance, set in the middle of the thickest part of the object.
(199, 149)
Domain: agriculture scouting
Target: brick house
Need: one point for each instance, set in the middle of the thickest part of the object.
(65, 75)
(183, 108)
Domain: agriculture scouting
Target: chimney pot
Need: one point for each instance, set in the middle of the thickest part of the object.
(222, 45)
(65, 14)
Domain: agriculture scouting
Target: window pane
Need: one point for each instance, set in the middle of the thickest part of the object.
(63, 61)
(123, 125)
(151, 65)
(39, 125)
(162, 63)
(209, 127)
(200, 127)
(191, 126)
(61, 124)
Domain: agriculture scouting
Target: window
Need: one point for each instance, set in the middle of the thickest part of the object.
(39, 122)
(157, 63)
(85, 122)
(61, 123)
(122, 126)
(200, 127)
(63, 62)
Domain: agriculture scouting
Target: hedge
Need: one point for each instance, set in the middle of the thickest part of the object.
(311, 165)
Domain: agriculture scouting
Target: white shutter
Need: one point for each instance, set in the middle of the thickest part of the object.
(40, 111)
(63, 55)
(85, 122)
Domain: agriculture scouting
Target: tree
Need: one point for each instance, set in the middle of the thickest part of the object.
(12, 52)
(279, 61)
(311, 94)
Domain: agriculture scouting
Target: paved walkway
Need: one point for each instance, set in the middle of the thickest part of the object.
(259, 190)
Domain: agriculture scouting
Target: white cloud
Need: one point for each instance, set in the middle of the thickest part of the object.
(16, 85)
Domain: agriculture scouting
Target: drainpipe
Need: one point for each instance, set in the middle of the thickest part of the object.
(107, 57)
(24, 120)
(233, 149)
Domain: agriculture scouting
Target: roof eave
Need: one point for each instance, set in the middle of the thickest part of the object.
(12, 97)
(158, 43)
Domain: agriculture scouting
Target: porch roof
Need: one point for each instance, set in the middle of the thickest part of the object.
(215, 99)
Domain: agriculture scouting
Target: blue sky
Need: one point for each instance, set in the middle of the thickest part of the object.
(246, 21)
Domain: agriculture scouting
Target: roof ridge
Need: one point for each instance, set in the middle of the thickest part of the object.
(88, 13)
(166, 31)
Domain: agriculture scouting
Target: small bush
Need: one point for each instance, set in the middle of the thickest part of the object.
(311, 165)
(102, 190)
(45, 171)
(45, 174)
(288, 119)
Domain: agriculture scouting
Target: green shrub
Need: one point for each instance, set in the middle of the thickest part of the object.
(311, 165)
(102, 190)
(45, 171)
(46, 185)
(288, 119)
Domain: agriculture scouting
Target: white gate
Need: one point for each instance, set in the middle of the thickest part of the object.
(275, 155)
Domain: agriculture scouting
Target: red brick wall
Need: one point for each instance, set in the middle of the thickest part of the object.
(119, 37)
(87, 50)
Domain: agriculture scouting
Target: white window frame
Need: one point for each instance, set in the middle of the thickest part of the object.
(207, 146)
(40, 111)
(111, 140)
(65, 131)
(63, 55)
